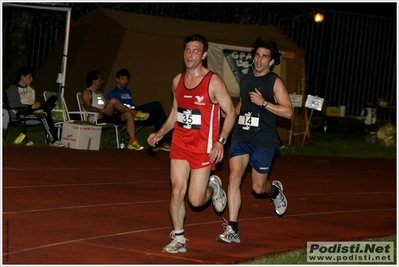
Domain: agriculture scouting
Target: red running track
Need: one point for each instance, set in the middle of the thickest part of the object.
(65, 206)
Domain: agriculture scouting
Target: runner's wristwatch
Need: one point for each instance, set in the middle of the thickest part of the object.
(222, 140)
(264, 104)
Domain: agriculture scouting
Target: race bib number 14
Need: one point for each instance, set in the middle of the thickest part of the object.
(248, 121)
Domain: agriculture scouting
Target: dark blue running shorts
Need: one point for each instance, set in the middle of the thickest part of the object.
(259, 159)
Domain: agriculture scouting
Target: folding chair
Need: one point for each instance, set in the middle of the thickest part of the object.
(85, 117)
(60, 112)
(21, 121)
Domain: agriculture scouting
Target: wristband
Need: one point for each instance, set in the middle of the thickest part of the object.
(222, 140)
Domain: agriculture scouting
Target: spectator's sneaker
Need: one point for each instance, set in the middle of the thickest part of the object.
(280, 202)
(19, 139)
(219, 199)
(165, 147)
(229, 236)
(57, 144)
(141, 116)
(178, 244)
(22, 116)
(40, 114)
(135, 146)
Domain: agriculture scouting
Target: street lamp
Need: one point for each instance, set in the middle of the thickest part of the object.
(318, 18)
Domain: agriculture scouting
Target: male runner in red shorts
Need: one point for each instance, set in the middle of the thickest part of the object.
(197, 145)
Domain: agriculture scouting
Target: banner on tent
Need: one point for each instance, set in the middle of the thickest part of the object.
(231, 62)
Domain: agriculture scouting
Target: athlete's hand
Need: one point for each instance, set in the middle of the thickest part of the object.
(222, 113)
(217, 153)
(154, 138)
(256, 97)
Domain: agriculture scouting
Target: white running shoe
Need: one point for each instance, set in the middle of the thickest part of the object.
(57, 144)
(40, 114)
(165, 147)
(229, 235)
(219, 198)
(280, 202)
(178, 244)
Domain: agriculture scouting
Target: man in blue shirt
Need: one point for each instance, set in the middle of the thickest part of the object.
(157, 114)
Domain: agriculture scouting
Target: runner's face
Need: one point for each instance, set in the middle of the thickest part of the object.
(122, 81)
(193, 55)
(262, 61)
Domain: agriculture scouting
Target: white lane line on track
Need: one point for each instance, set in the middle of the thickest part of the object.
(86, 206)
(89, 184)
(187, 225)
(80, 169)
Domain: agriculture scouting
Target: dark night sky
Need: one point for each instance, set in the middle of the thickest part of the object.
(384, 9)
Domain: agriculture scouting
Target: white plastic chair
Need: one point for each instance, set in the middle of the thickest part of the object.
(84, 115)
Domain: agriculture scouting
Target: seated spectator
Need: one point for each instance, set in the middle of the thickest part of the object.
(155, 109)
(21, 94)
(111, 111)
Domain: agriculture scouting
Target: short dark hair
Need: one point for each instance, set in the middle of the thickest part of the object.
(92, 75)
(123, 72)
(272, 46)
(23, 71)
(198, 38)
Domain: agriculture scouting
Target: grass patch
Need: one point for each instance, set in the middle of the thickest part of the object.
(350, 144)
(337, 144)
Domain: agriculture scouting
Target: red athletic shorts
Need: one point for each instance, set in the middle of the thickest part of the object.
(196, 160)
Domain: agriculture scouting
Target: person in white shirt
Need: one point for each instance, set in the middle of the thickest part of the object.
(21, 96)
(112, 111)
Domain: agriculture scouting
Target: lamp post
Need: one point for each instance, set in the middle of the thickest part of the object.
(318, 17)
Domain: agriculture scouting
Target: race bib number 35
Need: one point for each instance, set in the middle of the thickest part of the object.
(248, 121)
(189, 118)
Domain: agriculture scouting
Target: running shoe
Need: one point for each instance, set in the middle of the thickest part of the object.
(135, 145)
(22, 116)
(19, 139)
(178, 244)
(219, 198)
(229, 235)
(165, 147)
(57, 144)
(141, 116)
(40, 114)
(280, 202)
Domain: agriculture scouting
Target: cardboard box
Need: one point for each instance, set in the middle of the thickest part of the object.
(79, 135)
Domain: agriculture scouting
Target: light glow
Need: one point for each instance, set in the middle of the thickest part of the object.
(318, 18)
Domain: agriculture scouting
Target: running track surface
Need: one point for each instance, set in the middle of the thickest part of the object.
(65, 206)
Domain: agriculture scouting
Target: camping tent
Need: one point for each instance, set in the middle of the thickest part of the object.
(151, 48)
